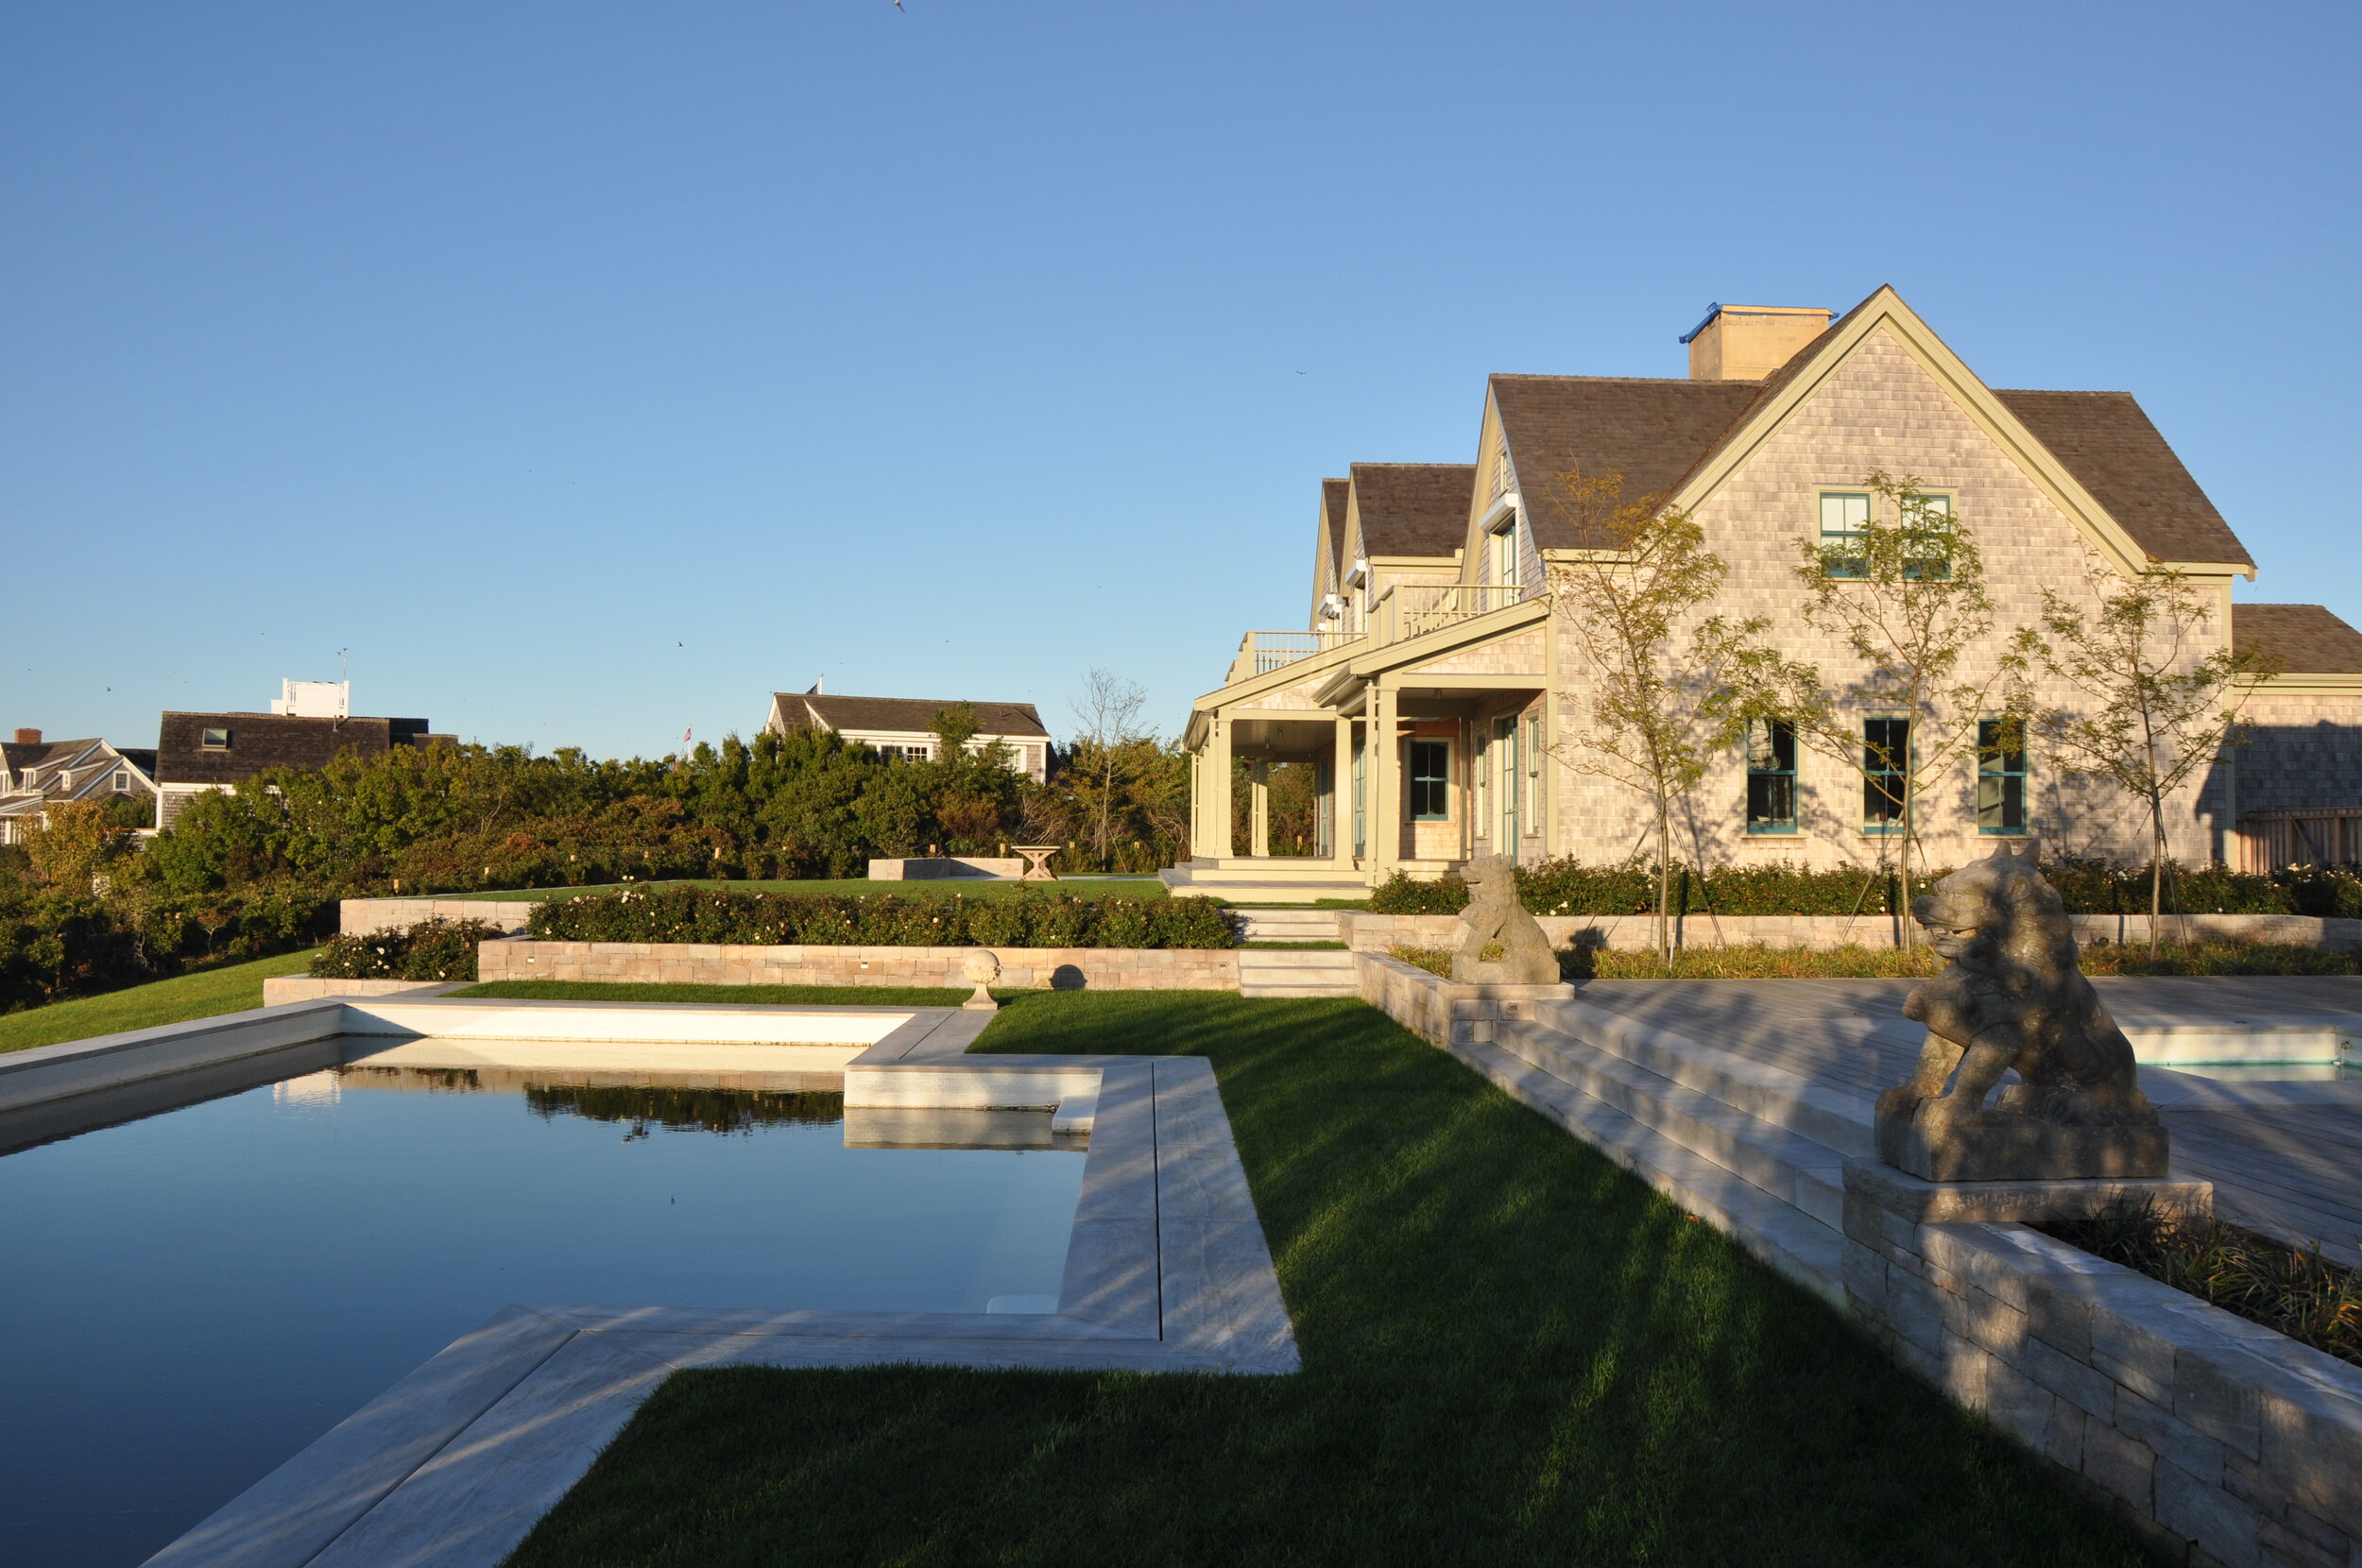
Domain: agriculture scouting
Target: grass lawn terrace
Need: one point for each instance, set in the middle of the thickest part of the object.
(1514, 1353)
(232, 988)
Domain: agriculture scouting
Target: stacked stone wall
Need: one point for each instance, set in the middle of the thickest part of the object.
(703, 963)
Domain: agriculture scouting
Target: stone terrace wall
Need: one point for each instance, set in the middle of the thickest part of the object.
(2233, 1444)
(1442, 1011)
(1375, 933)
(704, 963)
(360, 917)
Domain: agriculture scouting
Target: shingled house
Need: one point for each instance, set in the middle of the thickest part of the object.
(1437, 693)
(904, 727)
(36, 774)
(307, 726)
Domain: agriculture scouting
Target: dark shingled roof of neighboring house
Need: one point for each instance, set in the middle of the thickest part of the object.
(263, 740)
(1657, 432)
(1413, 508)
(2307, 638)
(916, 715)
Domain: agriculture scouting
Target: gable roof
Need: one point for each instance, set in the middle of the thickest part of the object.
(1652, 431)
(1412, 508)
(2307, 638)
(1335, 495)
(2114, 451)
(1661, 434)
(911, 715)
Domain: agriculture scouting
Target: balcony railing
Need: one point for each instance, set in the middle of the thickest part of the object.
(1414, 609)
(1260, 652)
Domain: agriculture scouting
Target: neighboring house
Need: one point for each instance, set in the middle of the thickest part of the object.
(904, 727)
(1441, 699)
(307, 725)
(35, 775)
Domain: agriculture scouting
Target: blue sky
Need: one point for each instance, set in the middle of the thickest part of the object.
(590, 370)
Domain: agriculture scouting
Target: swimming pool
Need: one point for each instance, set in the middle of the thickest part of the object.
(195, 1296)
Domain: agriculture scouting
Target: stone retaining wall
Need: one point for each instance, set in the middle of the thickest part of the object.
(2231, 1443)
(1445, 1012)
(362, 916)
(704, 963)
(1637, 932)
(938, 868)
(307, 988)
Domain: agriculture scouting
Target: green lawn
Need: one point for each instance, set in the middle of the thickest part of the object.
(230, 989)
(1514, 1353)
(1101, 887)
(728, 996)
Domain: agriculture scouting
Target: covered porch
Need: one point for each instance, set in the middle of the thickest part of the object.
(1427, 749)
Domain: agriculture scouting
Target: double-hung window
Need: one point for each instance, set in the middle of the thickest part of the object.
(1770, 776)
(1886, 755)
(2000, 775)
(1430, 781)
(1843, 516)
(1932, 512)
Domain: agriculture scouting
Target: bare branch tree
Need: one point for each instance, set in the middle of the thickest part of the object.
(1109, 709)
(2162, 691)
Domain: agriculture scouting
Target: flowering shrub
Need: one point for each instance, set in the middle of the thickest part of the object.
(430, 950)
(1026, 919)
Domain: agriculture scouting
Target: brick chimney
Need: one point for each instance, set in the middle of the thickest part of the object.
(28, 736)
(1749, 342)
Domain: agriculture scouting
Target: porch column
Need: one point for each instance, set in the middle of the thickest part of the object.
(1340, 797)
(1213, 792)
(1383, 754)
(1259, 816)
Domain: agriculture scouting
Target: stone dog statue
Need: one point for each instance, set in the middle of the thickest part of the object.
(2015, 996)
(1493, 917)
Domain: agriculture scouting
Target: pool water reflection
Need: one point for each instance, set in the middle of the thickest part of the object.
(193, 1297)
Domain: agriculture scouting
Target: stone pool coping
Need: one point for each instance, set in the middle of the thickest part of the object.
(1167, 1269)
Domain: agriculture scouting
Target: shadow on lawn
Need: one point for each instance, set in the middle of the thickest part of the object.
(1513, 1353)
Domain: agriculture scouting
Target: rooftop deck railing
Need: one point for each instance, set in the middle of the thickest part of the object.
(1404, 611)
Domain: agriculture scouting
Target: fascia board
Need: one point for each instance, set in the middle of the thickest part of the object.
(1969, 393)
(1272, 680)
(1417, 563)
(2300, 680)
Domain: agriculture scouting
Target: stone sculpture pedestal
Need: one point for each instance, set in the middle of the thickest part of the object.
(981, 968)
(2007, 1147)
(1037, 861)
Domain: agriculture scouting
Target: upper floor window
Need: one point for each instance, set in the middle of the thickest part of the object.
(1933, 512)
(1844, 516)
(1505, 545)
(122, 781)
(2000, 775)
(1770, 776)
(1885, 752)
(1430, 781)
(214, 739)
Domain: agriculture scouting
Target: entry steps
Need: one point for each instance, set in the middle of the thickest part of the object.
(1290, 924)
(1757, 1150)
(1281, 879)
(1322, 972)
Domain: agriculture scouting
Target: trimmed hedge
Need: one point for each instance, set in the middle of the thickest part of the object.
(2089, 887)
(884, 920)
(430, 950)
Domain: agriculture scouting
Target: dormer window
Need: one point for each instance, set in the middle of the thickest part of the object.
(1504, 548)
(216, 737)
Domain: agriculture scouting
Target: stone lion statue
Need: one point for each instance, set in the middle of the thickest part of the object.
(2015, 996)
(1494, 919)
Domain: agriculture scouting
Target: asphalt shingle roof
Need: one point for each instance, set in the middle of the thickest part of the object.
(913, 714)
(1413, 508)
(2307, 638)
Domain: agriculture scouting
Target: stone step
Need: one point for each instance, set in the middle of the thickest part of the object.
(1290, 925)
(1787, 1165)
(1320, 972)
(1791, 1240)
